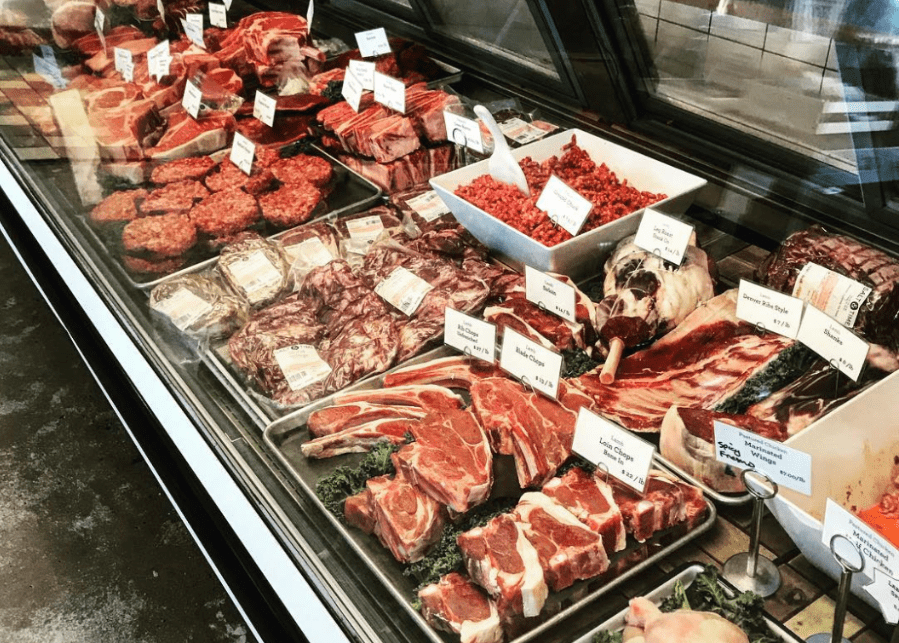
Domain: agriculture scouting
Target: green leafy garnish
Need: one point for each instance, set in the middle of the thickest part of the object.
(346, 481)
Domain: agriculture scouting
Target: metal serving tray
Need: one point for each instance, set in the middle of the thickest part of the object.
(686, 575)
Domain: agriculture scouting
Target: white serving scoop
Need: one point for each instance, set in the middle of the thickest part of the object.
(503, 166)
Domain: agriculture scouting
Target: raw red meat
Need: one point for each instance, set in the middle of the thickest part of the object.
(340, 417)
(286, 129)
(291, 204)
(590, 499)
(118, 207)
(358, 512)
(188, 137)
(455, 604)
(304, 168)
(430, 397)
(543, 327)
(405, 172)
(661, 505)
(189, 168)
(359, 438)
(458, 372)
(225, 212)
(174, 197)
(169, 235)
(124, 124)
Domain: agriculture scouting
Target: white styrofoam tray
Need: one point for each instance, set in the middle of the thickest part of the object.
(583, 255)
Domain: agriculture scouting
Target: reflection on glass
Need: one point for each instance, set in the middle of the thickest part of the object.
(402, 3)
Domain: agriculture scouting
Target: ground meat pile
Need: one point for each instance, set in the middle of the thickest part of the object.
(612, 198)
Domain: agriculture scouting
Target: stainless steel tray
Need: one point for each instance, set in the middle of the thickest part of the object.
(730, 499)
(686, 575)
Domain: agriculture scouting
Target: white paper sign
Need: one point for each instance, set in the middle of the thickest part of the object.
(158, 59)
(311, 252)
(302, 365)
(228, 4)
(264, 108)
(100, 25)
(373, 42)
(364, 73)
(218, 15)
(885, 590)
(613, 449)
(833, 341)
(876, 550)
(549, 293)
(192, 99)
(428, 205)
(193, 28)
(830, 292)
(744, 449)
(242, 152)
(160, 7)
(564, 206)
(256, 275)
(771, 310)
(404, 290)
(536, 366)
(366, 229)
(521, 131)
(49, 71)
(124, 61)
(310, 13)
(474, 337)
(390, 92)
(464, 131)
(183, 308)
(352, 90)
(663, 236)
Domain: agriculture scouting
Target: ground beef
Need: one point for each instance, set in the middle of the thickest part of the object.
(174, 198)
(229, 176)
(118, 207)
(304, 167)
(226, 212)
(168, 235)
(290, 204)
(151, 267)
(194, 168)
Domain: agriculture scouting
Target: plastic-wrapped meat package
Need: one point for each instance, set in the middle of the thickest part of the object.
(256, 268)
(359, 231)
(200, 305)
(422, 208)
(307, 247)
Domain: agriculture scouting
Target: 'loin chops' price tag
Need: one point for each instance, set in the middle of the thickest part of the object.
(302, 365)
(390, 92)
(536, 366)
(564, 206)
(218, 15)
(372, 42)
(612, 449)
(193, 28)
(404, 290)
(885, 590)
(264, 108)
(474, 337)
(828, 291)
(352, 90)
(833, 341)
(878, 552)
(549, 293)
(192, 99)
(785, 466)
(464, 131)
(242, 152)
(769, 309)
(364, 72)
(663, 236)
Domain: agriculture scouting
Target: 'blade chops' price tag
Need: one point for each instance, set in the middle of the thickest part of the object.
(785, 466)
(885, 590)
(310, 13)
(218, 15)
(123, 60)
(663, 236)
(828, 291)
(770, 309)
(264, 108)
(404, 290)
(100, 26)
(878, 552)
(193, 28)
(390, 92)
(372, 42)
(352, 90)
(549, 293)
(364, 73)
(158, 59)
(474, 337)
(242, 152)
(429, 205)
(564, 206)
(183, 308)
(302, 365)
(192, 99)
(536, 366)
(613, 449)
(833, 341)
(464, 131)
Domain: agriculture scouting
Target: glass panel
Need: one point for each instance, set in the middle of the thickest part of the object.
(403, 3)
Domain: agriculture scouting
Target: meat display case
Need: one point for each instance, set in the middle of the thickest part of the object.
(700, 87)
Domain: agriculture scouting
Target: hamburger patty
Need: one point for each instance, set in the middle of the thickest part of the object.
(225, 212)
(178, 197)
(167, 235)
(291, 204)
(118, 207)
(303, 167)
(194, 168)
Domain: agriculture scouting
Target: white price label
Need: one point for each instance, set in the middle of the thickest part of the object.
(218, 15)
(192, 99)
(255, 274)
(242, 152)
(613, 449)
(49, 71)
(390, 92)
(352, 90)
(833, 341)
(227, 4)
(310, 13)
(464, 131)
(404, 290)
(311, 252)
(183, 308)
(366, 229)
(830, 292)
(264, 108)
(124, 61)
(428, 205)
(769, 309)
(878, 552)
(372, 42)
(158, 59)
(663, 236)
(474, 337)
(364, 72)
(785, 466)
(564, 206)
(521, 131)
(549, 293)
(100, 26)
(160, 7)
(885, 590)
(193, 28)
(302, 365)
(536, 366)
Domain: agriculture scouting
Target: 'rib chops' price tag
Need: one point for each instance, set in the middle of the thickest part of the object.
(428, 205)
(885, 590)
(403, 290)
(833, 341)
(464, 131)
(564, 206)
(536, 366)
(769, 309)
(390, 92)
(364, 72)
(193, 28)
(124, 63)
(785, 466)
(613, 449)
(372, 42)
(192, 99)
(877, 550)
(549, 293)
(663, 236)
(242, 152)
(264, 108)
(828, 291)
(183, 308)
(158, 59)
(100, 26)
(352, 90)
(302, 365)
(218, 15)
(474, 337)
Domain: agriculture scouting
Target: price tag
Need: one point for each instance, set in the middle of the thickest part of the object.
(100, 25)
(193, 28)
(352, 90)
(770, 309)
(373, 42)
(264, 108)
(428, 205)
(878, 552)
(124, 63)
(364, 73)
(160, 7)
(885, 590)
(302, 365)
(218, 15)
(366, 229)
(256, 275)
(242, 152)
(310, 12)
(464, 131)
(227, 4)
(49, 71)
(474, 337)
(549, 293)
(183, 308)
(521, 131)
(404, 290)
(564, 206)
(158, 59)
(192, 99)
(663, 236)
(613, 449)
(536, 366)
(833, 341)
(785, 466)
(830, 292)
(390, 92)
(311, 252)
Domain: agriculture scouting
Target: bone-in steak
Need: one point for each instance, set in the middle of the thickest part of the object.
(590, 499)
(455, 604)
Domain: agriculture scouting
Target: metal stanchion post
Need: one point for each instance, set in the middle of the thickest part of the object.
(839, 612)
